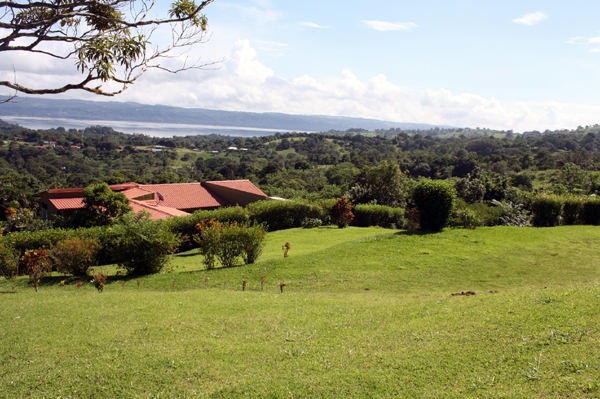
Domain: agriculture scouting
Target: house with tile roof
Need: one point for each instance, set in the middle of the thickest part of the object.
(160, 200)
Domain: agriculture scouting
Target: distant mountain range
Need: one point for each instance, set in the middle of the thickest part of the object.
(133, 112)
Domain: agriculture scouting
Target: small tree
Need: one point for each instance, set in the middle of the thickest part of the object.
(435, 200)
(102, 206)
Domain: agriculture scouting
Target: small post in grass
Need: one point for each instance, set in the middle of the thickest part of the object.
(281, 285)
(206, 282)
(244, 285)
(262, 283)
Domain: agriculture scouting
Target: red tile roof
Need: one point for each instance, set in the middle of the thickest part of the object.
(239, 185)
(123, 186)
(156, 211)
(67, 203)
(186, 196)
(136, 192)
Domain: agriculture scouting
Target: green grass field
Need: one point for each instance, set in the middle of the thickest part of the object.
(366, 313)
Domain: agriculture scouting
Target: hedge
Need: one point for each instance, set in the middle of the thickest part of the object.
(378, 215)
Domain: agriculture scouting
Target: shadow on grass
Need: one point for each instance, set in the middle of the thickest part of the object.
(416, 233)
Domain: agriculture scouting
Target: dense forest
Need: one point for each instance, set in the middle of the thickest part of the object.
(300, 165)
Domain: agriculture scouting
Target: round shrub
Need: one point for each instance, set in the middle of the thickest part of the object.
(141, 245)
(74, 256)
(435, 200)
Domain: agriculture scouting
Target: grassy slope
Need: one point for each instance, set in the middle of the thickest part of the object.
(327, 335)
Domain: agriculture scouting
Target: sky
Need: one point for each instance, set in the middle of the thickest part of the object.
(521, 65)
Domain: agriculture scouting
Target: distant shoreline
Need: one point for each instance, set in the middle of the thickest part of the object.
(147, 128)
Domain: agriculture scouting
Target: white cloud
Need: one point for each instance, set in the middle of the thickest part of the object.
(384, 26)
(243, 83)
(531, 19)
(313, 25)
(594, 40)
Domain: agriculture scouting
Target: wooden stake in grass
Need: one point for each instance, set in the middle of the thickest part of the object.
(281, 285)
(123, 283)
(262, 283)
(206, 282)
(139, 282)
(244, 282)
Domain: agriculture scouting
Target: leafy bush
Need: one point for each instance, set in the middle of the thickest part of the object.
(185, 226)
(512, 215)
(280, 215)
(74, 256)
(311, 223)
(9, 259)
(141, 245)
(253, 239)
(591, 211)
(378, 215)
(465, 218)
(546, 209)
(573, 211)
(435, 200)
(341, 213)
(229, 242)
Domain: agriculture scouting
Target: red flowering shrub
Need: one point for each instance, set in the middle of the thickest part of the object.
(74, 256)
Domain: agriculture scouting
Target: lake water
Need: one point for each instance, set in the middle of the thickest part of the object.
(147, 128)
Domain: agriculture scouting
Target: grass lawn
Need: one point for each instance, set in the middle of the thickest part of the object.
(366, 313)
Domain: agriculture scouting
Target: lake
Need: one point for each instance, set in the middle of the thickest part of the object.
(147, 128)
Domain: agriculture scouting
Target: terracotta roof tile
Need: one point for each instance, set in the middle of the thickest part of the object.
(67, 203)
(156, 211)
(186, 196)
(240, 185)
(135, 192)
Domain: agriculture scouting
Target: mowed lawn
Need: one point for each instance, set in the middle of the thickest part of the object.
(365, 313)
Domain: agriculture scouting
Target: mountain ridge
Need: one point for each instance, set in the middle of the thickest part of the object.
(136, 112)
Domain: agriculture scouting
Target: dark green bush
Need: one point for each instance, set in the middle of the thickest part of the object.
(573, 210)
(591, 211)
(546, 210)
(435, 200)
(141, 245)
(378, 215)
(280, 215)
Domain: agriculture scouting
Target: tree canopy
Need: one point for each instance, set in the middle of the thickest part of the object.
(109, 40)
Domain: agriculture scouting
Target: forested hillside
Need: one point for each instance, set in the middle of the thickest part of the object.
(298, 165)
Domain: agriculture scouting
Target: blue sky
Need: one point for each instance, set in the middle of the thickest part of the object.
(519, 65)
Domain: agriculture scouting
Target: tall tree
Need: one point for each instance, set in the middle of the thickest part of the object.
(109, 40)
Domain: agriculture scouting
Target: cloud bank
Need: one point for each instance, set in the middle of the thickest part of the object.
(243, 83)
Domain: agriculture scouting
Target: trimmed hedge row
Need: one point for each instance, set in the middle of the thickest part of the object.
(378, 215)
(552, 210)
